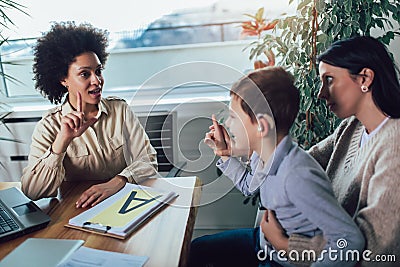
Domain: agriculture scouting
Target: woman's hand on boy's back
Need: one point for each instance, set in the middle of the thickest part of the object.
(218, 139)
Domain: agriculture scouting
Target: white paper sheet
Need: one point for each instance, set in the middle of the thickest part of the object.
(89, 257)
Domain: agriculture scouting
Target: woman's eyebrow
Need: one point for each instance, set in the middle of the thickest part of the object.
(89, 67)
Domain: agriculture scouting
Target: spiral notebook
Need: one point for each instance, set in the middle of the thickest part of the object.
(121, 214)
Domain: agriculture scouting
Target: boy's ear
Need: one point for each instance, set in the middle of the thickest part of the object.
(265, 124)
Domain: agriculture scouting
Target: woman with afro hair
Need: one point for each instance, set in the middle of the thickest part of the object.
(87, 137)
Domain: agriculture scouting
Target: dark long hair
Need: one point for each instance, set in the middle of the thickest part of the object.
(360, 52)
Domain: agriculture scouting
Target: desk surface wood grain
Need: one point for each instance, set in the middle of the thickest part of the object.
(165, 238)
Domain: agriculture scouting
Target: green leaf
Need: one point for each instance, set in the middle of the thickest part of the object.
(354, 23)
(334, 19)
(309, 81)
(336, 29)
(292, 26)
(368, 19)
(385, 6)
(308, 103)
(322, 38)
(292, 56)
(324, 26)
(320, 5)
(386, 39)
(390, 34)
(304, 35)
(363, 22)
(321, 47)
(376, 9)
(304, 11)
(392, 8)
(348, 6)
(347, 32)
(379, 23)
(302, 4)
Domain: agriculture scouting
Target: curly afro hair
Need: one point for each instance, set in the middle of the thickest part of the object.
(57, 49)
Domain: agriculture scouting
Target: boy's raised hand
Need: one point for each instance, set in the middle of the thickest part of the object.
(218, 138)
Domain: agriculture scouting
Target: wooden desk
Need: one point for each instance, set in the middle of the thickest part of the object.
(165, 238)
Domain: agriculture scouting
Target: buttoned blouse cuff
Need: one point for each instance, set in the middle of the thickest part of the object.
(128, 175)
(51, 159)
(137, 174)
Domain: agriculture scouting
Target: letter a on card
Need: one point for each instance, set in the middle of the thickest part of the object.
(138, 201)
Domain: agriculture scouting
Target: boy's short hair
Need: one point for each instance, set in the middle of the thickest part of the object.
(269, 90)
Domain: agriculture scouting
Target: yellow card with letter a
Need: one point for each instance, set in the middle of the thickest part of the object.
(122, 213)
(127, 208)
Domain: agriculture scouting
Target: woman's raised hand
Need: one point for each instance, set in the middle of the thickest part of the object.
(72, 125)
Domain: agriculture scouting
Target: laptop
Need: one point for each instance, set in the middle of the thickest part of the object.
(19, 215)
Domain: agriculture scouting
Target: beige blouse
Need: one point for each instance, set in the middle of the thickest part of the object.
(115, 145)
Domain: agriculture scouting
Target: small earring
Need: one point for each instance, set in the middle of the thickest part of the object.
(364, 88)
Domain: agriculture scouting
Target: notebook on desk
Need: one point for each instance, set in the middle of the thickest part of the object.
(19, 215)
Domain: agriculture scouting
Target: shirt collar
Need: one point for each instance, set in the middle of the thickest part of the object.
(283, 148)
(67, 108)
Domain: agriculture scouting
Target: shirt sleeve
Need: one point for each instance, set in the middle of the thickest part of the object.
(45, 171)
(139, 153)
(242, 177)
(314, 198)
